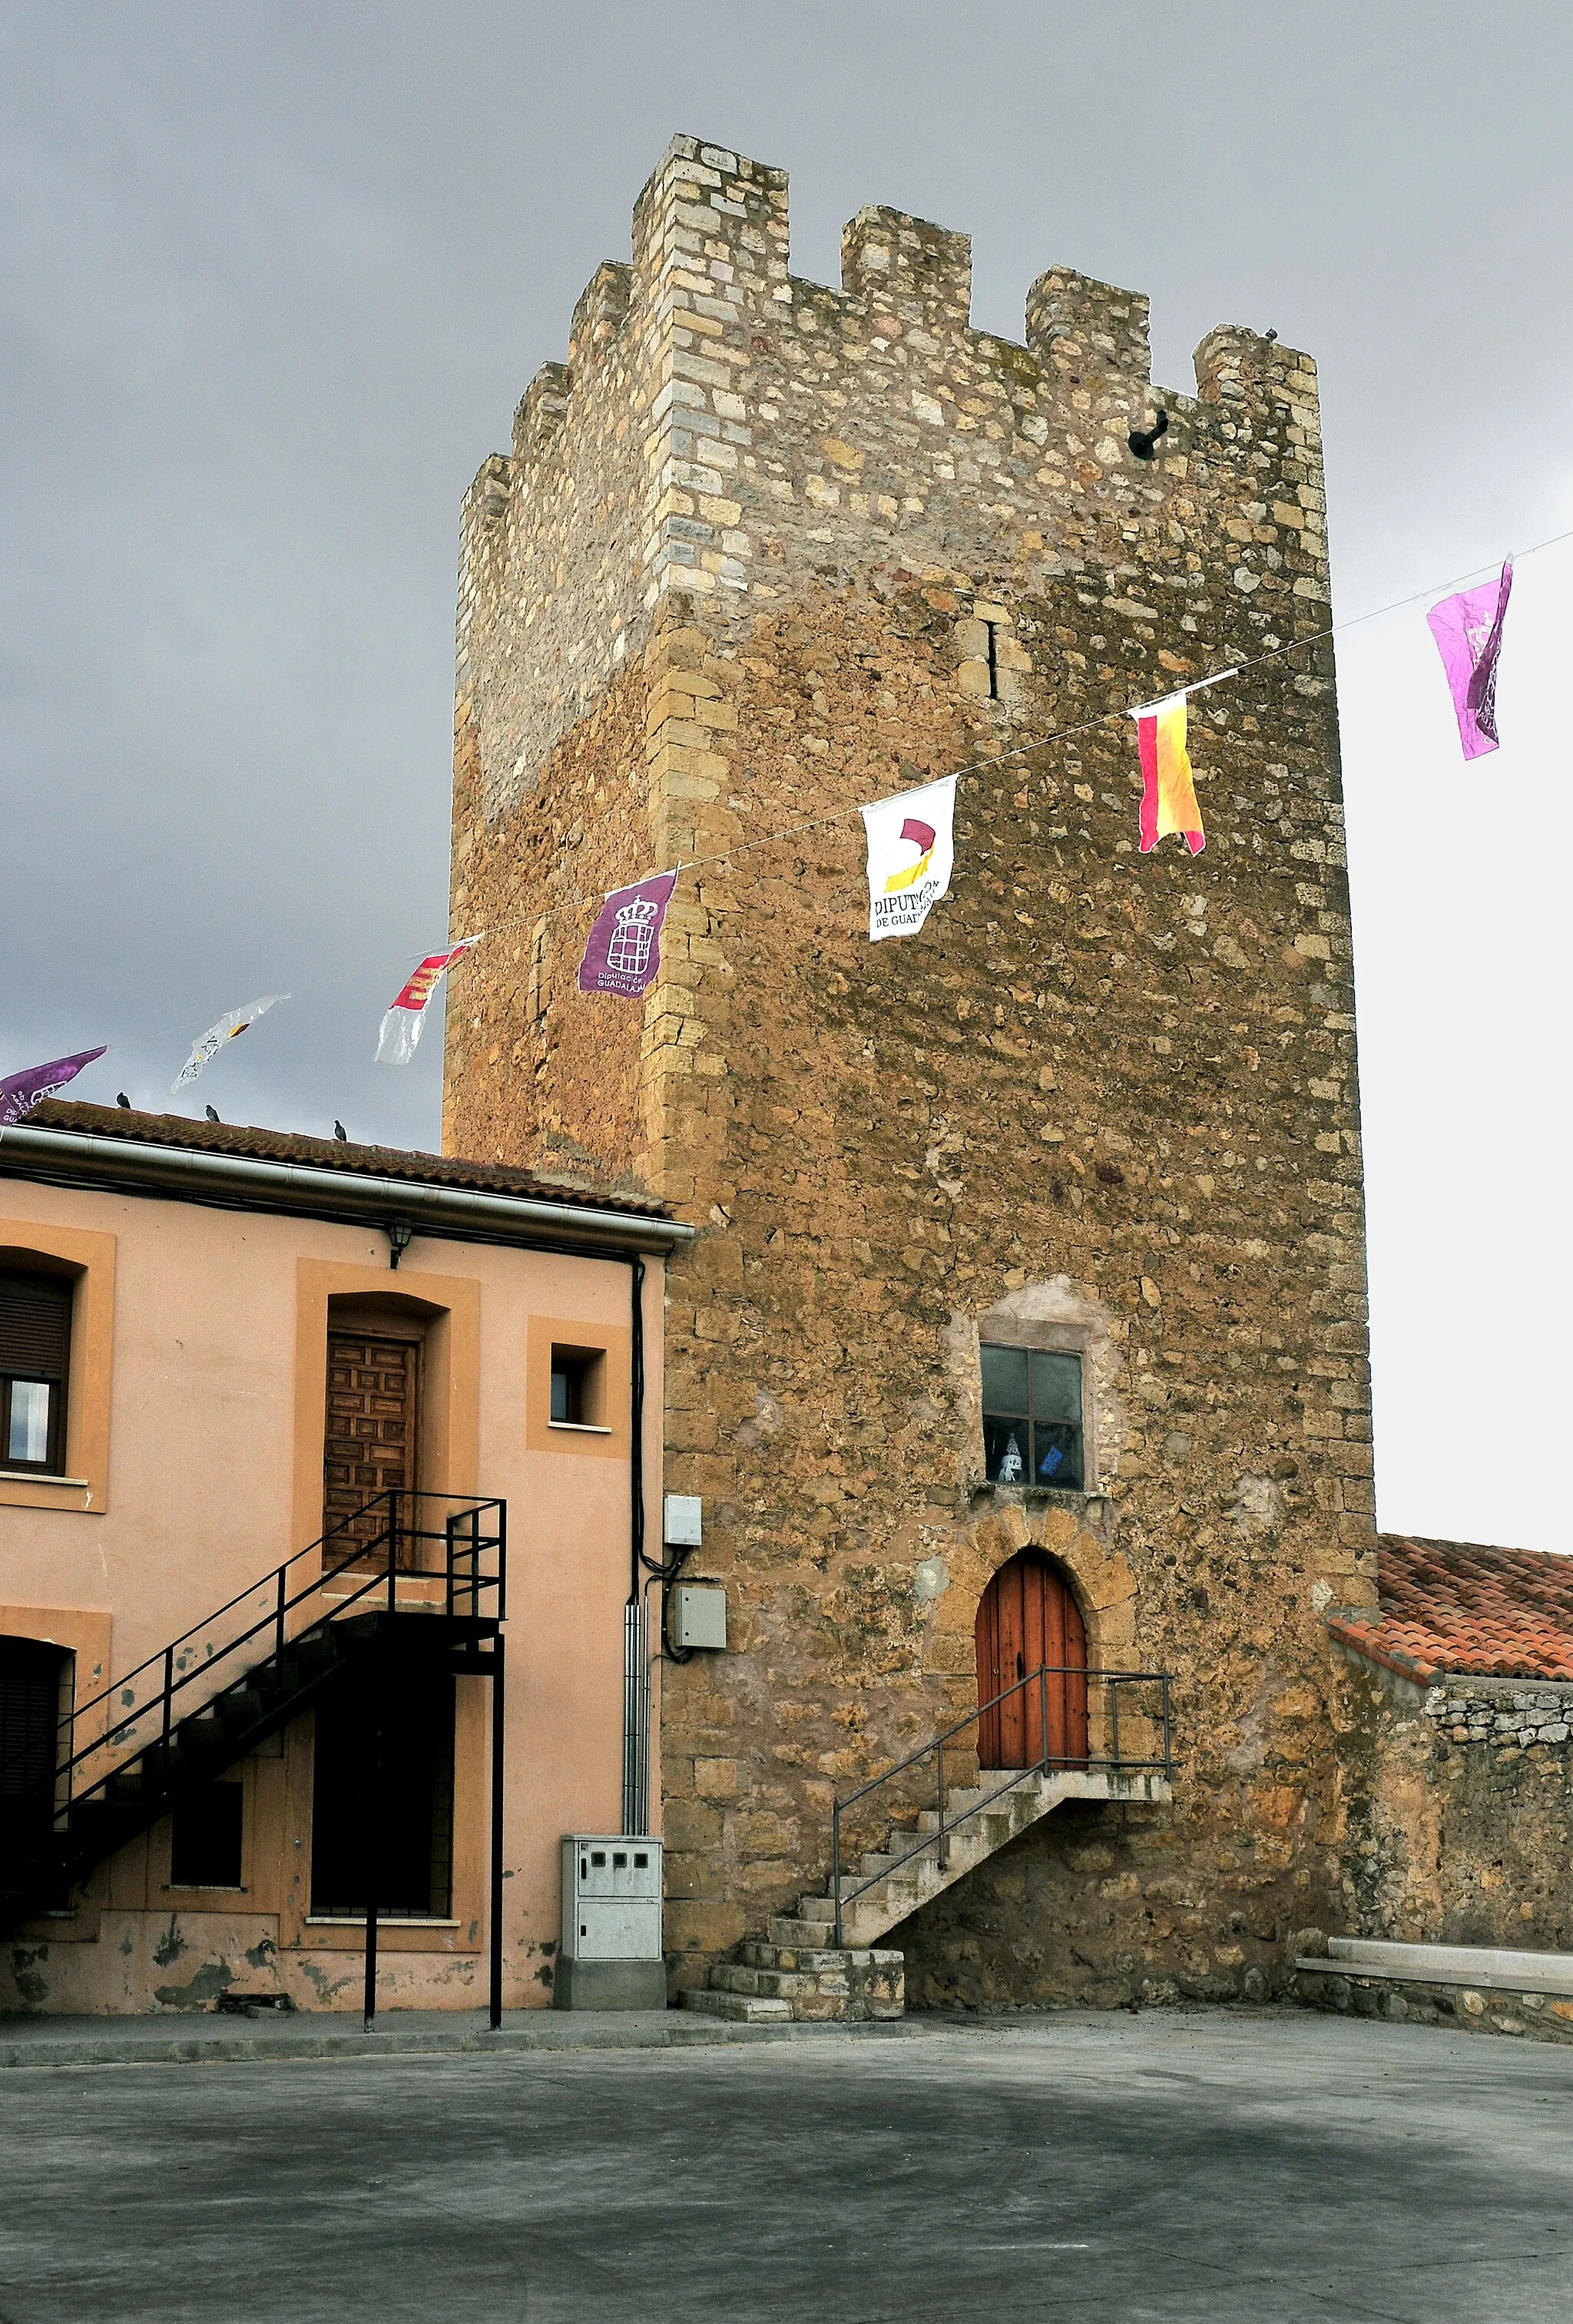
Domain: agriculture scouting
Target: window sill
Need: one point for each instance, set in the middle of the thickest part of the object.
(203, 1889)
(577, 1429)
(40, 1477)
(385, 1921)
(1071, 1496)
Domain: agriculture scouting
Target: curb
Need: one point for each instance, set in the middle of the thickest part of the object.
(655, 2029)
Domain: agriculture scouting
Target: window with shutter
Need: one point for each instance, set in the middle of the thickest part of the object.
(35, 1346)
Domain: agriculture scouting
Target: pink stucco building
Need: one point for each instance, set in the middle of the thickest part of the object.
(310, 1455)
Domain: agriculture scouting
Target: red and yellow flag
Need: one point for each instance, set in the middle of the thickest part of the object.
(1168, 792)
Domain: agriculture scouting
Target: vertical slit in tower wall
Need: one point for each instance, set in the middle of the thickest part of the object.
(734, 577)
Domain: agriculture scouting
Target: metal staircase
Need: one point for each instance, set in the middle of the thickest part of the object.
(410, 1578)
(826, 1961)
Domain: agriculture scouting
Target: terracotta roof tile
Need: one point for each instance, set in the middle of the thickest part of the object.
(331, 1154)
(1455, 1608)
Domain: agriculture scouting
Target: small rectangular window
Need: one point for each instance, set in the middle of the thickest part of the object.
(1031, 1417)
(576, 1387)
(35, 1338)
(205, 1837)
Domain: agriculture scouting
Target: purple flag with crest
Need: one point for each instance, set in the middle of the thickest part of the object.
(20, 1092)
(624, 952)
(1468, 630)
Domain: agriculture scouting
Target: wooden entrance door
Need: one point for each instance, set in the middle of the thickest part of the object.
(1029, 1621)
(372, 1423)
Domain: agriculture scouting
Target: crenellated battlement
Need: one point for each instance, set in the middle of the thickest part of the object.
(724, 428)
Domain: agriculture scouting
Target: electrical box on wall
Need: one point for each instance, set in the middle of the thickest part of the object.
(611, 1897)
(684, 1525)
(698, 1615)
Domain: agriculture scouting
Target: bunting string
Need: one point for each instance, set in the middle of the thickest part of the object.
(1468, 630)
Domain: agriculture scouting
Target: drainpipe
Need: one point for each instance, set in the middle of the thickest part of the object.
(635, 1689)
(645, 1573)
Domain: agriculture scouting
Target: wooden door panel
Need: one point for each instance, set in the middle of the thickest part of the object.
(1029, 1621)
(371, 1420)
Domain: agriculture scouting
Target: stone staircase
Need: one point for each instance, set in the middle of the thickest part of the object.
(799, 1971)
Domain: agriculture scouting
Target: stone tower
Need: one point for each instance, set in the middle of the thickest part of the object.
(763, 551)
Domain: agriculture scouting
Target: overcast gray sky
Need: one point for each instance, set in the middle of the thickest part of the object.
(274, 275)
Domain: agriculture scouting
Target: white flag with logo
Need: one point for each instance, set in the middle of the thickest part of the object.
(911, 851)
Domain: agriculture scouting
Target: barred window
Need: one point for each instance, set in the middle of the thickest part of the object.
(35, 1343)
(1031, 1417)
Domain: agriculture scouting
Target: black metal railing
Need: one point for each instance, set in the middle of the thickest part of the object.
(403, 1552)
(1153, 1727)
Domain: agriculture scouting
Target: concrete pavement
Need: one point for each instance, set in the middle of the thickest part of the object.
(1223, 2167)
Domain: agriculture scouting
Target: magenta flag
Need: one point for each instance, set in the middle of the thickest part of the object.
(1468, 630)
(20, 1092)
(624, 953)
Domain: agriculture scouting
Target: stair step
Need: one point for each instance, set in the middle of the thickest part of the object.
(795, 1935)
(889, 1859)
(960, 1810)
(921, 1873)
(813, 1957)
(746, 2008)
(777, 1984)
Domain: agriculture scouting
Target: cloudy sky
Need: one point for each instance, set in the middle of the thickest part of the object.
(274, 276)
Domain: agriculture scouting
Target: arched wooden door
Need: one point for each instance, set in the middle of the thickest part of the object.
(1029, 1621)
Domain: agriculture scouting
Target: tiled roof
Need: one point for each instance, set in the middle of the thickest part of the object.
(330, 1154)
(1452, 1609)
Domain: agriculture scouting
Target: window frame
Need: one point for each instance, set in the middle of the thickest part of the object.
(1030, 1339)
(88, 1256)
(603, 1432)
(51, 1468)
(583, 1372)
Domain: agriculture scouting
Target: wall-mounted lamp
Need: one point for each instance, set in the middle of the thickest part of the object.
(399, 1233)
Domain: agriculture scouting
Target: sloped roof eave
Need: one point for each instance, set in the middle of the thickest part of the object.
(289, 1182)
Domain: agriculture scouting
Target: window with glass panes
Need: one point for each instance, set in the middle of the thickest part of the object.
(1031, 1417)
(35, 1336)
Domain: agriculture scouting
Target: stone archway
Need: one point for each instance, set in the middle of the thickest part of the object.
(1101, 1579)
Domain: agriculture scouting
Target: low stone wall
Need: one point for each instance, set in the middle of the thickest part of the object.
(1533, 2016)
(1458, 1810)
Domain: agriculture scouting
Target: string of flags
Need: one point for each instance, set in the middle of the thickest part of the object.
(910, 840)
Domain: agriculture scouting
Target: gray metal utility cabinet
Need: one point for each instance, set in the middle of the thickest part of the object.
(610, 1956)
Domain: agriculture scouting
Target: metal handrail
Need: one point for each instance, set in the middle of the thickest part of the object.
(925, 1841)
(461, 1535)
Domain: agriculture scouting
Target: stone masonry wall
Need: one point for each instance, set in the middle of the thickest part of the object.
(1100, 1095)
(1460, 1815)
